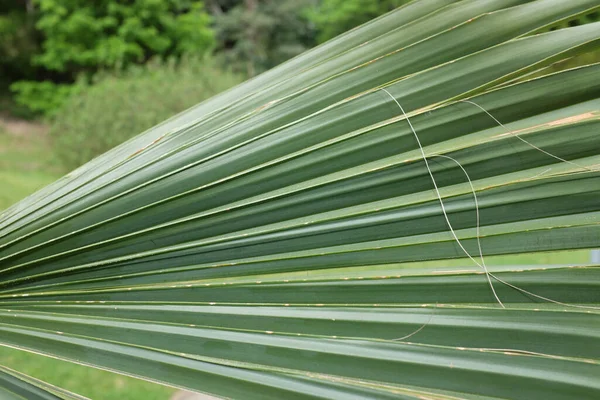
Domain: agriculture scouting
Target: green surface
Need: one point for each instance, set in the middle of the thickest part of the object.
(252, 247)
(26, 165)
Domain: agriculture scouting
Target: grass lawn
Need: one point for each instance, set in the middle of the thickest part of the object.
(26, 165)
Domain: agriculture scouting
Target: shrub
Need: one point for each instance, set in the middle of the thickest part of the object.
(43, 97)
(118, 106)
(81, 37)
(81, 34)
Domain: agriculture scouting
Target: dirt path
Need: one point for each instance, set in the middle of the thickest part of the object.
(25, 128)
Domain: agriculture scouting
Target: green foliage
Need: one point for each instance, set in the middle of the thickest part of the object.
(254, 36)
(333, 17)
(18, 43)
(590, 57)
(255, 247)
(88, 35)
(580, 20)
(44, 97)
(82, 37)
(59, 40)
(121, 104)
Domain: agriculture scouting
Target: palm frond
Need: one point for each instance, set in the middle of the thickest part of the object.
(254, 246)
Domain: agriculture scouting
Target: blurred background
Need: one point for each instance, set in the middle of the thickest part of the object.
(78, 77)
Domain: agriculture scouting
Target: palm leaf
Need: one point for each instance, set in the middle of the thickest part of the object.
(255, 245)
